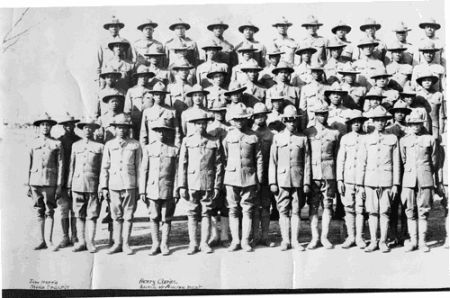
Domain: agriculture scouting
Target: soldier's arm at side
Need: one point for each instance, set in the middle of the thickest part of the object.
(361, 164)
(219, 166)
(396, 163)
(307, 171)
(143, 172)
(143, 135)
(273, 163)
(340, 161)
(182, 166)
(137, 162)
(106, 165)
(71, 169)
(259, 161)
(60, 160)
(128, 103)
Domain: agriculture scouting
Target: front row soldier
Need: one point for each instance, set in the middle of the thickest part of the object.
(158, 184)
(82, 183)
(346, 163)
(443, 179)
(243, 173)
(45, 178)
(119, 181)
(378, 176)
(200, 178)
(290, 176)
(419, 156)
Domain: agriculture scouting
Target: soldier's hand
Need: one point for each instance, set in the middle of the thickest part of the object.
(306, 189)
(106, 195)
(341, 188)
(29, 192)
(143, 198)
(394, 191)
(184, 194)
(274, 189)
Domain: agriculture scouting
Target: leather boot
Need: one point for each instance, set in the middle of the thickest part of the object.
(117, 235)
(41, 244)
(256, 225)
(215, 236)
(205, 232)
(165, 233)
(224, 229)
(234, 229)
(192, 229)
(384, 230)
(154, 231)
(373, 227)
(295, 230)
(81, 244)
(49, 233)
(411, 245)
(350, 223)
(423, 228)
(74, 228)
(265, 224)
(247, 222)
(91, 228)
(65, 241)
(284, 223)
(127, 227)
(326, 219)
(359, 224)
(314, 219)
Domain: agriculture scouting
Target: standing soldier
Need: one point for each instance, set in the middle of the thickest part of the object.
(249, 30)
(283, 42)
(314, 40)
(255, 92)
(114, 100)
(154, 58)
(381, 79)
(419, 158)
(398, 67)
(443, 179)
(199, 99)
(368, 63)
(158, 183)
(180, 27)
(430, 26)
(200, 178)
(378, 171)
(119, 181)
(226, 54)
(247, 52)
(291, 93)
(235, 94)
(312, 93)
(335, 61)
(45, 178)
(65, 202)
(243, 173)
(117, 62)
(340, 31)
(146, 43)
(302, 74)
(217, 90)
(370, 28)
(266, 77)
(324, 147)
(82, 183)
(274, 119)
(178, 89)
(356, 92)
(428, 51)
(110, 78)
(290, 176)
(212, 53)
(346, 179)
(401, 33)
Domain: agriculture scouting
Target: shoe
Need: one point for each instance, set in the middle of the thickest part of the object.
(313, 244)
(373, 246)
(247, 247)
(446, 245)
(424, 247)
(40, 246)
(127, 249)
(326, 243)
(192, 249)
(91, 248)
(206, 248)
(348, 243)
(155, 250)
(52, 247)
(234, 246)
(361, 243)
(74, 239)
(115, 249)
(214, 242)
(384, 248)
(409, 246)
(297, 246)
(284, 246)
(165, 251)
(266, 243)
(65, 242)
(79, 247)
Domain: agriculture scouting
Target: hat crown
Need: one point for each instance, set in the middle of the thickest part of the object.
(378, 112)
(218, 104)
(159, 86)
(341, 23)
(154, 51)
(182, 63)
(396, 45)
(142, 69)
(416, 116)
(216, 67)
(247, 47)
(370, 21)
(282, 20)
(248, 23)
(375, 92)
(408, 90)
(162, 122)
(426, 73)
(68, 117)
(401, 27)
(335, 44)
(335, 87)
(252, 63)
(429, 20)
(347, 67)
(320, 106)
(289, 111)
(260, 108)
(236, 111)
(311, 19)
(353, 114)
(235, 85)
(122, 119)
(114, 20)
(400, 104)
(196, 88)
(380, 72)
(198, 114)
(427, 45)
(109, 69)
(284, 64)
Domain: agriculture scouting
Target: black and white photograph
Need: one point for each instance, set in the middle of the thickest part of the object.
(223, 148)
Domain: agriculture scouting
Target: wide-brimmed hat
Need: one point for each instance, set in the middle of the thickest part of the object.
(247, 47)
(320, 107)
(311, 21)
(273, 50)
(250, 65)
(316, 66)
(375, 93)
(289, 111)
(426, 74)
(155, 51)
(429, 22)
(90, 121)
(401, 27)
(122, 119)
(161, 124)
(400, 106)
(305, 47)
(415, 117)
(216, 23)
(369, 22)
(343, 25)
(197, 89)
(113, 93)
(282, 21)
(248, 24)
(396, 46)
(277, 95)
(348, 69)
(110, 71)
(235, 87)
(178, 22)
(200, 115)
(408, 92)
(218, 106)
(45, 117)
(405, 69)
(335, 44)
(147, 22)
(143, 70)
(210, 44)
(335, 88)
(67, 119)
(283, 65)
(182, 64)
(428, 46)
(260, 109)
(118, 41)
(378, 112)
(217, 68)
(115, 22)
(380, 73)
(238, 111)
(354, 115)
(367, 42)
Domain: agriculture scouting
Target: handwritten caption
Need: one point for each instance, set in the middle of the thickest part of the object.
(162, 283)
(47, 285)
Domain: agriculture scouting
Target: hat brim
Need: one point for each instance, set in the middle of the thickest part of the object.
(312, 24)
(321, 111)
(141, 27)
(239, 90)
(336, 46)
(336, 28)
(407, 111)
(112, 44)
(415, 122)
(301, 51)
(154, 54)
(216, 110)
(261, 113)
(402, 30)
(210, 75)
(277, 70)
(251, 68)
(69, 121)
(291, 116)
(128, 125)
(190, 93)
(377, 97)
(240, 117)
(365, 26)
(141, 74)
(435, 25)
(406, 94)
(433, 78)
(218, 48)
(381, 76)
(106, 26)
(328, 92)
(380, 117)
(241, 28)
(246, 50)
(211, 26)
(275, 53)
(429, 50)
(201, 119)
(343, 72)
(118, 74)
(366, 44)
(38, 122)
(158, 91)
(397, 49)
(278, 99)
(182, 67)
(162, 127)
(186, 25)
(107, 98)
(289, 24)
(80, 125)
(361, 118)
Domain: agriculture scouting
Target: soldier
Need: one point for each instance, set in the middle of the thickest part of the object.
(180, 57)
(337, 111)
(235, 94)
(134, 100)
(370, 28)
(324, 147)
(154, 61)
(401, 34)
(217, 90)
(65, 202)
(368, 63)
(335, 61)
(211, 52)
(200, 178)
(261, 216)
(158, 183)
(178, 89)
(428, 50)
(180, 27)
(248, 30)
(398, 68)
(312, 93)
(381, 80)
(119, 181)
(226, 54)
(255, 92)
(266, 77)
(114, 100)
(419, 157)
(159, 110)
(374, 98)
(430, 26)
(408, 95)
(346, 179)
(198, 96)
(398, 127)
(443, 180)
(314, 40)
(355, 92)
(283, 42)
(45, 179)
(110, 78)
(82, 184)
(274, 119)
(291, 94)
(243, 173)
(290, 176)
(302, 74)
(247, 52)
(340, 31)
(147, 42)
(378, 171)
(118, 63)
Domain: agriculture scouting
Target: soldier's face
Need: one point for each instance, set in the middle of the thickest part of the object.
(396, 56)
(274, 59)
(401, 36)
(282, 29)
(158, 98)
(153, 60)
(408, 100)
(399, 116)
(336, 52)
(247, 55)
(349, 78)
(429, 56)
(427, 83)
(316, 74)
(200, 126)
(118, 49)
(356, 126)
(341, 33)
(290, 124)
(260, 119)
(219, 116)
(236, 97)
(276, 105)
(415, 127)
(218, 79)
(180, 31)
(381, 82)
(183, 73)
(147, 31)
(114, 29)
(218, 31)
(429, 30)
(322, 118)
(114, 104)
(197, 98)
(283, 75)
(45, 128)
(252, 75)
(312, 30)
(69, 127)
(335, 98)
(238, 123)
(379, 123)
(374, 103)
(306, 56)
(122, 131)
(367, 50)
(88, 131)
(370, 31)
(248, 32)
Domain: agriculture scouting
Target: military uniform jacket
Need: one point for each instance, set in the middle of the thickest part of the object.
(399, 130)
(203, 70)
(85, 166)
(355, 95)
(436, 69)
(106, 131)
(319, 43)
(217, 129)
(192, 55)
(419, 157)
(186, 126)
(126, 70)
(324, 148)
(290, 160)
(153, 114)
(134, 103)
(46, 162)
(379, 161)
(244, 159)
(274, 121)
(216, 94)
(142, 45)
(161, 75)
(178, 99)
(367, 66)
(157, 178)
(290, 93)
(407, 55)
(349, 51)
(288, 46)
(438, 57)
(379, 52)
(398, 72)
(347, 158)
(66, 145)
(265, 137)
(337, 118)
(227, 55)
(201, 163)
(443, 161)
(105, 54)
(259, 55)
(120, 164)
(266, 77)
(254, 94)
(310, 95)
(301, 75)
(332, 67)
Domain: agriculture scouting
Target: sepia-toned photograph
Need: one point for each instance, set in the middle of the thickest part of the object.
(213, 148)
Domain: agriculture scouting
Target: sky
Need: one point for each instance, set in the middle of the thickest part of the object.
(52, 67)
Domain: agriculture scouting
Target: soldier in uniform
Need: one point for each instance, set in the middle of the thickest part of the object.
(335, 61)
(226, 54)
(118, 62)
(45, 179)
(290, 176)
(235, 94)
(401, 34)
(180, 57)
(302, 74)
(65, 202)
(82, 184)
(154, 60)
(419, 157)
(110, 78)
(200, 178)
(374, 98)
(243, 173)
(370, 28)
(430, 26)
(291, 94)
(217, 90)
(119, 181)
(158, 183)
(255, 92)
(428, 50)
(336, 110)
(283, 42)
(381, 82)
(274, 119)
(266, 77)
(408, 95)
(248, 30)
(114, 100)
(314, 40)
(368, 63)
(378, 171)
(198, 95)
(324, 147)
(340, 31)
(312, 93)
(346, 179)
(180, 27)
(178, 89)
(212, 53)
(443, 179)
(247, 52)
(355, 92)
(398, 67)
(147, 42)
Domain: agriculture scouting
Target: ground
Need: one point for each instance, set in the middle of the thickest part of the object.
(264, 268)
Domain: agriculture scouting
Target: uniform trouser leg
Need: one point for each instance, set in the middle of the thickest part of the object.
(154, 231)
(91, 228)
(447, 223)
(73, 227)
(64, 206)
(165, 234)
(192, 230)
(215, 234)
(256, 223)
(127, 228)
(206, 230)
(265, 224)
(372, 207)
(224, 228)
(349, 202)
(49, 231)
(393, 220)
